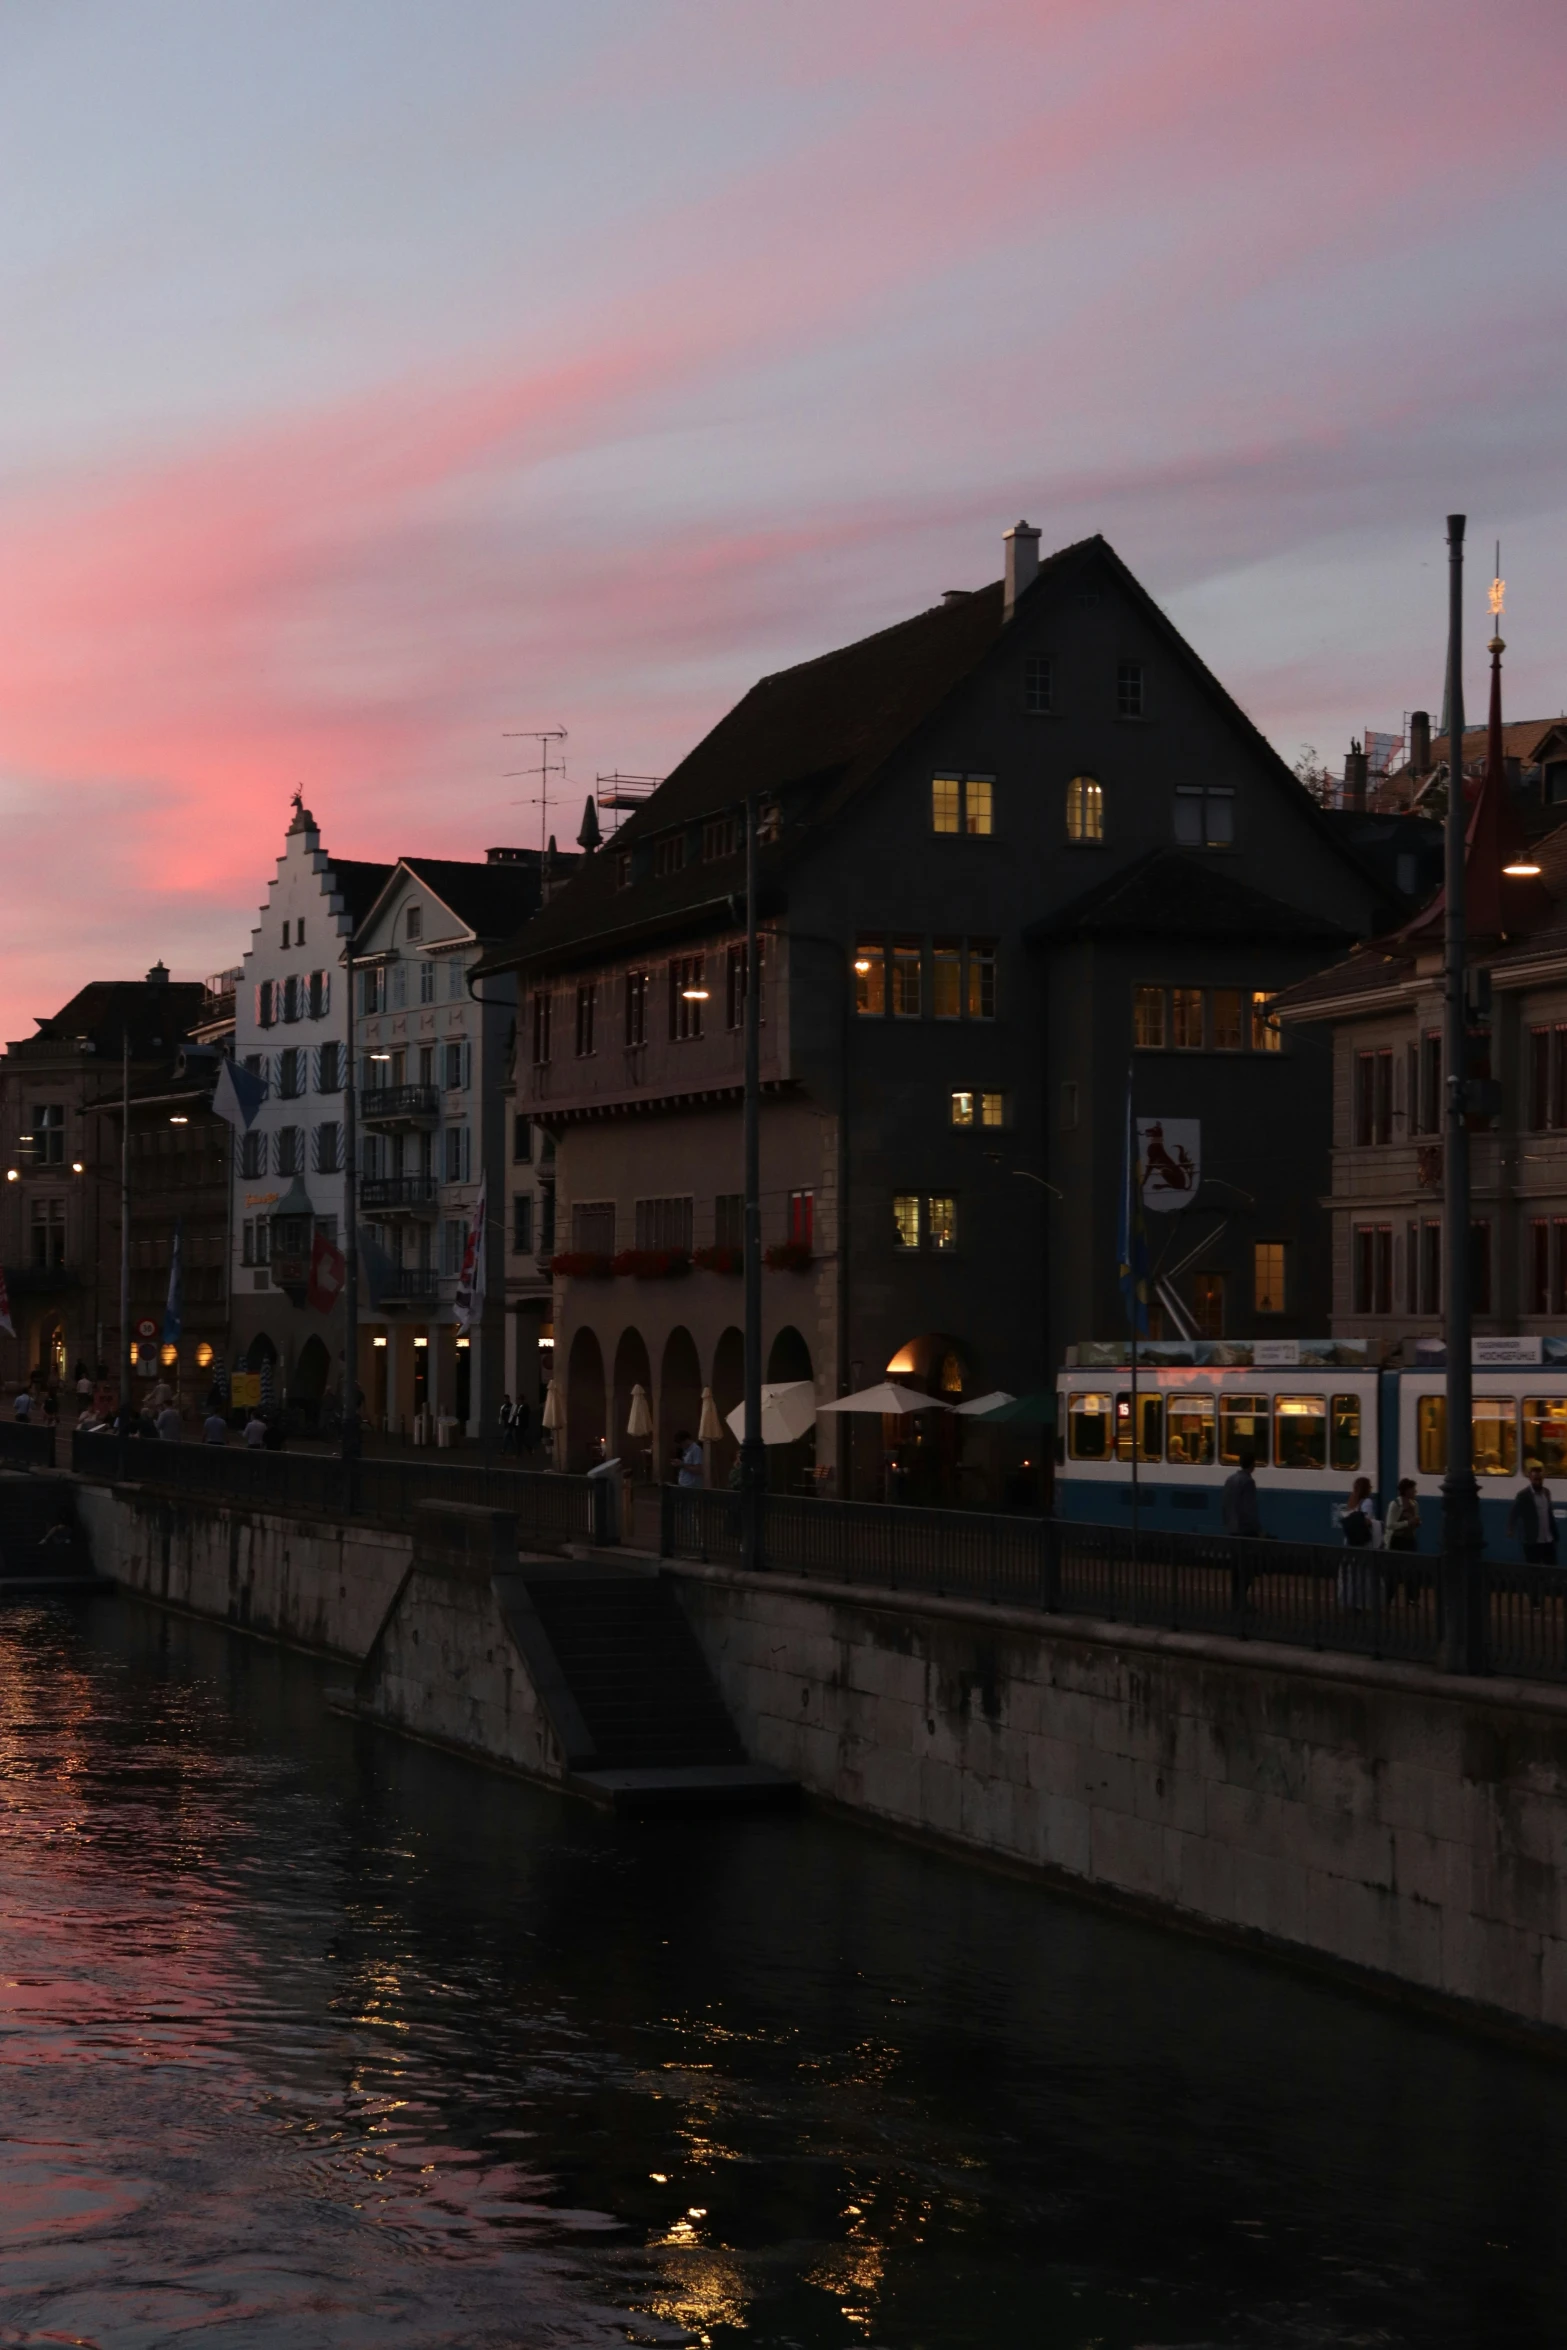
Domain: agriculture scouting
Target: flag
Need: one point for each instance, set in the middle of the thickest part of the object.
(328, 1272)
(237, 1096)
(1134, 1234)
(174, 1304)
(6, 1323)
(470, 1281)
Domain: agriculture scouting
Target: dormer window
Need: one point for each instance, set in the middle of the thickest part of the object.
(413, 922)
(623, 869)
(720, 838)
(669, 855)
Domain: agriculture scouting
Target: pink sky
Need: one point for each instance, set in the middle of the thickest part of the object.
(383, 378)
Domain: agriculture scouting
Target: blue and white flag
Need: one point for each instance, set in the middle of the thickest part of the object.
(174, 1307)
(237, 1096)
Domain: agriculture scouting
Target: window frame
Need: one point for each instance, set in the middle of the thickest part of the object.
(1085, 812)
(958, 782)
(1131, 689)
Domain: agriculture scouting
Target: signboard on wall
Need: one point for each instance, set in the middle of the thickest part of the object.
(1170, 1153)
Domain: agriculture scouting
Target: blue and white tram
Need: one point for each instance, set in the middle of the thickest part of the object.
(1312, 1431)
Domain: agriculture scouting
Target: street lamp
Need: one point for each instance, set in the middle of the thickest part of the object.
(1462, 1622)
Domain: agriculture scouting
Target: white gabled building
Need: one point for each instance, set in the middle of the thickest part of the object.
(291, 1029)
(435, 1118)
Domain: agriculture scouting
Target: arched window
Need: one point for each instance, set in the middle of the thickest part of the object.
(1085, 808)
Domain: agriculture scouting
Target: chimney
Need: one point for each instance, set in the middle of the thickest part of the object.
(1419, 742)
(1021, 544)
(158, 976)
(1355, 771)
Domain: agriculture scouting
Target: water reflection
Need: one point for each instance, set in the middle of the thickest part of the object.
(314, 2038)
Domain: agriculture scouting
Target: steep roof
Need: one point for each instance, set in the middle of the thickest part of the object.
(358, 884)
(815, 735)
(1171, 894)
(153, 1014)
(490, 900)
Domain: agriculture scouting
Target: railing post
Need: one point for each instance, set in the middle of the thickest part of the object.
(666, 1517)
(1240, 1589)
(1050, 1594)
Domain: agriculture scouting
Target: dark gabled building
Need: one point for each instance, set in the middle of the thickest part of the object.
(60, 1100)
(1012, 847)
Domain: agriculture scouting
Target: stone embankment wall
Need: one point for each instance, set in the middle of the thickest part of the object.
(1382, 1818)
(1379, 1818)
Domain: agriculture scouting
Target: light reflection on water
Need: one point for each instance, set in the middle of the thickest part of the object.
(307, 2037)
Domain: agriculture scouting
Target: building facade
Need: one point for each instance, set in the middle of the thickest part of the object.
(291, 1031)
(1013, 850)
(434, 1061)
(60, 1126)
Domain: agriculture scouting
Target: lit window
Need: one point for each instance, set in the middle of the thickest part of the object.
(1268, 1276)
(1186, 1019)
(1266, 1036)
(1226, 1013)
(906, 979)
(1129, 689)
(905, 1219)
(1148, 1019)
(963, 803)
(992, 1109)
(946, 979)
(978, 804)
(870, 978)
(1038, 686)
(1085, 808)
(946, 801)
(941, 1220)
(963, 1109)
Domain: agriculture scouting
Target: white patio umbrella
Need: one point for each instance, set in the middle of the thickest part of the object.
(986, 1403)
(552, 1415)
(639, 1419)
(710, 1428)
(887, 1400)
(788, 1410)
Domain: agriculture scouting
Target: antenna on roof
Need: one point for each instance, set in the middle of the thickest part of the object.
(543, 736)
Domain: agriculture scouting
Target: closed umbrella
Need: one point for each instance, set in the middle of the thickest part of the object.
(710, 1428)
(788, 1410)
(552, 1415)
(982, 1404)
(1021, 1411)
(887, 1400)
(639, 1419)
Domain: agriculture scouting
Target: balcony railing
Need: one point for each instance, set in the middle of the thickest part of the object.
(400, 1105)
(398, 1195)
(408, 1285)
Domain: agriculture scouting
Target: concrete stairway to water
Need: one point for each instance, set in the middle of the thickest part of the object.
(632, 1700)
(34, 1555)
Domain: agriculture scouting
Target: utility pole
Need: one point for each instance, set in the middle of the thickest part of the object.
(753, 1457)
(351, 1429)
(1463, 1591)
(125, 1220)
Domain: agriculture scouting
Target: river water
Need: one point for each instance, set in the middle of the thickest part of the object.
(311, 2037)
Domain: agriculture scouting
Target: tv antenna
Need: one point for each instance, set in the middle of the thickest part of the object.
(547, 767)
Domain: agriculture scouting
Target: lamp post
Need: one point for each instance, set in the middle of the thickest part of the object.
(351, 1430)
(753, 1457)
(1463, 1622)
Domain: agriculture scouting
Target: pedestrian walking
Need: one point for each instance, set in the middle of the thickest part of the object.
(255, 1431)
(168, 1422)
(688, 1460)
(1357, 1577)
(214, 1428)
(1238, 1501)
(1532, 1524)
(1403, 1534)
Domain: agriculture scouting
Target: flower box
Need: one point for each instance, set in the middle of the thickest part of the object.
(652, 1264)
(790, 1256)
(719, 1260)
(583, 1264)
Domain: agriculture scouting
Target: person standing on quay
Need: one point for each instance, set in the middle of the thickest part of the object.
(1239, 1499)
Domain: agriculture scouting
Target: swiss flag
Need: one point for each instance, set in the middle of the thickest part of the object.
(328, 1272)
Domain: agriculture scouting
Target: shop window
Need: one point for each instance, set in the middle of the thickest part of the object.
(1085, 809)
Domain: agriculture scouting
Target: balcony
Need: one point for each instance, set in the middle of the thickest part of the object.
(43, 1280)
(400, 1105)
(398, 1195)
(408, 1285)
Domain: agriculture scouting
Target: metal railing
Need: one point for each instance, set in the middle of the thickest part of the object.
(385, 1194)
(381, 1105)
(406, 1285)
(1362, 1602)
(22, 1446)
(549, 1509)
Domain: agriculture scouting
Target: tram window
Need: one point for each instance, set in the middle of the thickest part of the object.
(1431, 1435)
(1346, 1432)
(1150, 1443)
(1495, 1436)
(1088, 1425)
(1243, 1427)
(1300, 1424)
(1545, 1432)
(1189, 1431)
